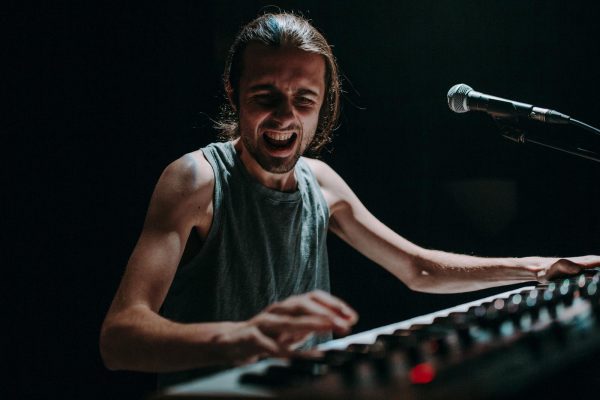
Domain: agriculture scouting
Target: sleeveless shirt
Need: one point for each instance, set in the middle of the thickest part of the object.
(263, 246)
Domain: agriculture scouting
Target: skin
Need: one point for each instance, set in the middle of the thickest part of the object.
(281, 91)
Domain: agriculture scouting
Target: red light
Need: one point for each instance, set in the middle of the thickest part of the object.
(422, 373)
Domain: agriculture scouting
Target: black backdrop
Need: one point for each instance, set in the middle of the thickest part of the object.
(102, 98)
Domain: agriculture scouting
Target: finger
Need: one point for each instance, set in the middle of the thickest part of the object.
(252, 344)
(276, 324)
(249, 360)
(292, 349)
(563, 267)
(262, 345)
(586, 261)
(314, 354)
(335, 304)
(293, 340)
(305, 305)
(569, 267)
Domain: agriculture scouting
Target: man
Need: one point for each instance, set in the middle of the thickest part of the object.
(231, 264)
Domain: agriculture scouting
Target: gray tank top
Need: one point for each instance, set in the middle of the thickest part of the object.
(263, 246)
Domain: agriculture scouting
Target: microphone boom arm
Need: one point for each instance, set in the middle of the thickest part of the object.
(519, 136)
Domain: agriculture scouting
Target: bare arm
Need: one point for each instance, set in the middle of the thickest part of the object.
(423, 269)
(135, 337)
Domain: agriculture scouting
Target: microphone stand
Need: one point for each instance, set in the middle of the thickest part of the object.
(509, 130)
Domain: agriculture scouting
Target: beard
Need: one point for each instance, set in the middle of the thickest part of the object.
(276, 165)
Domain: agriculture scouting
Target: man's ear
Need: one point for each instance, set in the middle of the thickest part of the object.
(230, 96)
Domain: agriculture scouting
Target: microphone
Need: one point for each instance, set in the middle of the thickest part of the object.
(462, 98)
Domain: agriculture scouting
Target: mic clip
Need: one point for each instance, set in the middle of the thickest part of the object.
(509, 129)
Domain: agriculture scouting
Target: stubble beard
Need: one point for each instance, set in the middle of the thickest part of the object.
(274, 165)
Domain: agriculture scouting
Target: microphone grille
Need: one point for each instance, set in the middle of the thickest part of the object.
(457, 98)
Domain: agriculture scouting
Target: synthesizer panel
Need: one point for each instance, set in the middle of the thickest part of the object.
(503, 346)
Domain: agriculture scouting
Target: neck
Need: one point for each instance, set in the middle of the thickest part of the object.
(285, 182)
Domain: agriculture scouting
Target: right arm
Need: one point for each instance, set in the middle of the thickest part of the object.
(135, 337)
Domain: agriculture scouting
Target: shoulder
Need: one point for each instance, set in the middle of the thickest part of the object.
(324, 173)
(333, 187)
(326, 176)
(187, 180)
(187, 174)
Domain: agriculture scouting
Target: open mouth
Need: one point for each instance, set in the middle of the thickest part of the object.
(279, 140)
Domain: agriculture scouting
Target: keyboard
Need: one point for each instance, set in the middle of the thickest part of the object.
(520, 342)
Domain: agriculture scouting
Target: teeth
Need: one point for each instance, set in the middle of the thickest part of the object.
(278, 135)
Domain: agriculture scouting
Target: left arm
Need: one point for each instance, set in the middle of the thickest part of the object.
(423, 269)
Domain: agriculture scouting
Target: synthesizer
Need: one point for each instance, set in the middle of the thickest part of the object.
(504, 346)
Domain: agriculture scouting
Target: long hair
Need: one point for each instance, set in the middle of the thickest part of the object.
(277, 30)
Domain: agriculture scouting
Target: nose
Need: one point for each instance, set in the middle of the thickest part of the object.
(284, 113)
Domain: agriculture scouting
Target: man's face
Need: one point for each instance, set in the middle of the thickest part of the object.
(281, 91)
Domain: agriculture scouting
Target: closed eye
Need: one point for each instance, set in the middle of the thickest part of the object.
(304, 101)
(265, 99)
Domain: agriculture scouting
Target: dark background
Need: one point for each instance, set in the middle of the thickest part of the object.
(102, 98)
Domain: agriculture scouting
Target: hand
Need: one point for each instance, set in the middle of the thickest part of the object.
(550, 268)
(284, 325)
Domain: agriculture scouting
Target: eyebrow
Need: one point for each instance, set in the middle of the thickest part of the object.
(269, 87)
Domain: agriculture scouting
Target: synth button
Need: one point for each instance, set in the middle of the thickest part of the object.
(404, 333)
(360, 348)
(415, 327)
(458, 317)
(516, 299)
(463, 332)
(366, 351)
(488, 318)
(478, 315)
(579, 281)
(590, 290)
(418, 331)
(493, 323)
(452, 319)
(445, 320)
(434, 331)
(382, 366)
(437, 345)
(592, 273)
(514, 309)
(496, 314)
(337, 358)
(414, 355)
(499, 305)
(532, 304)
(359, 373)
(550, 299)
(349, 374)
(422, 373)
(309, 366)
(365, 374)
(441, 324)
(393, 342)
(566, 291)
(409, 335)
